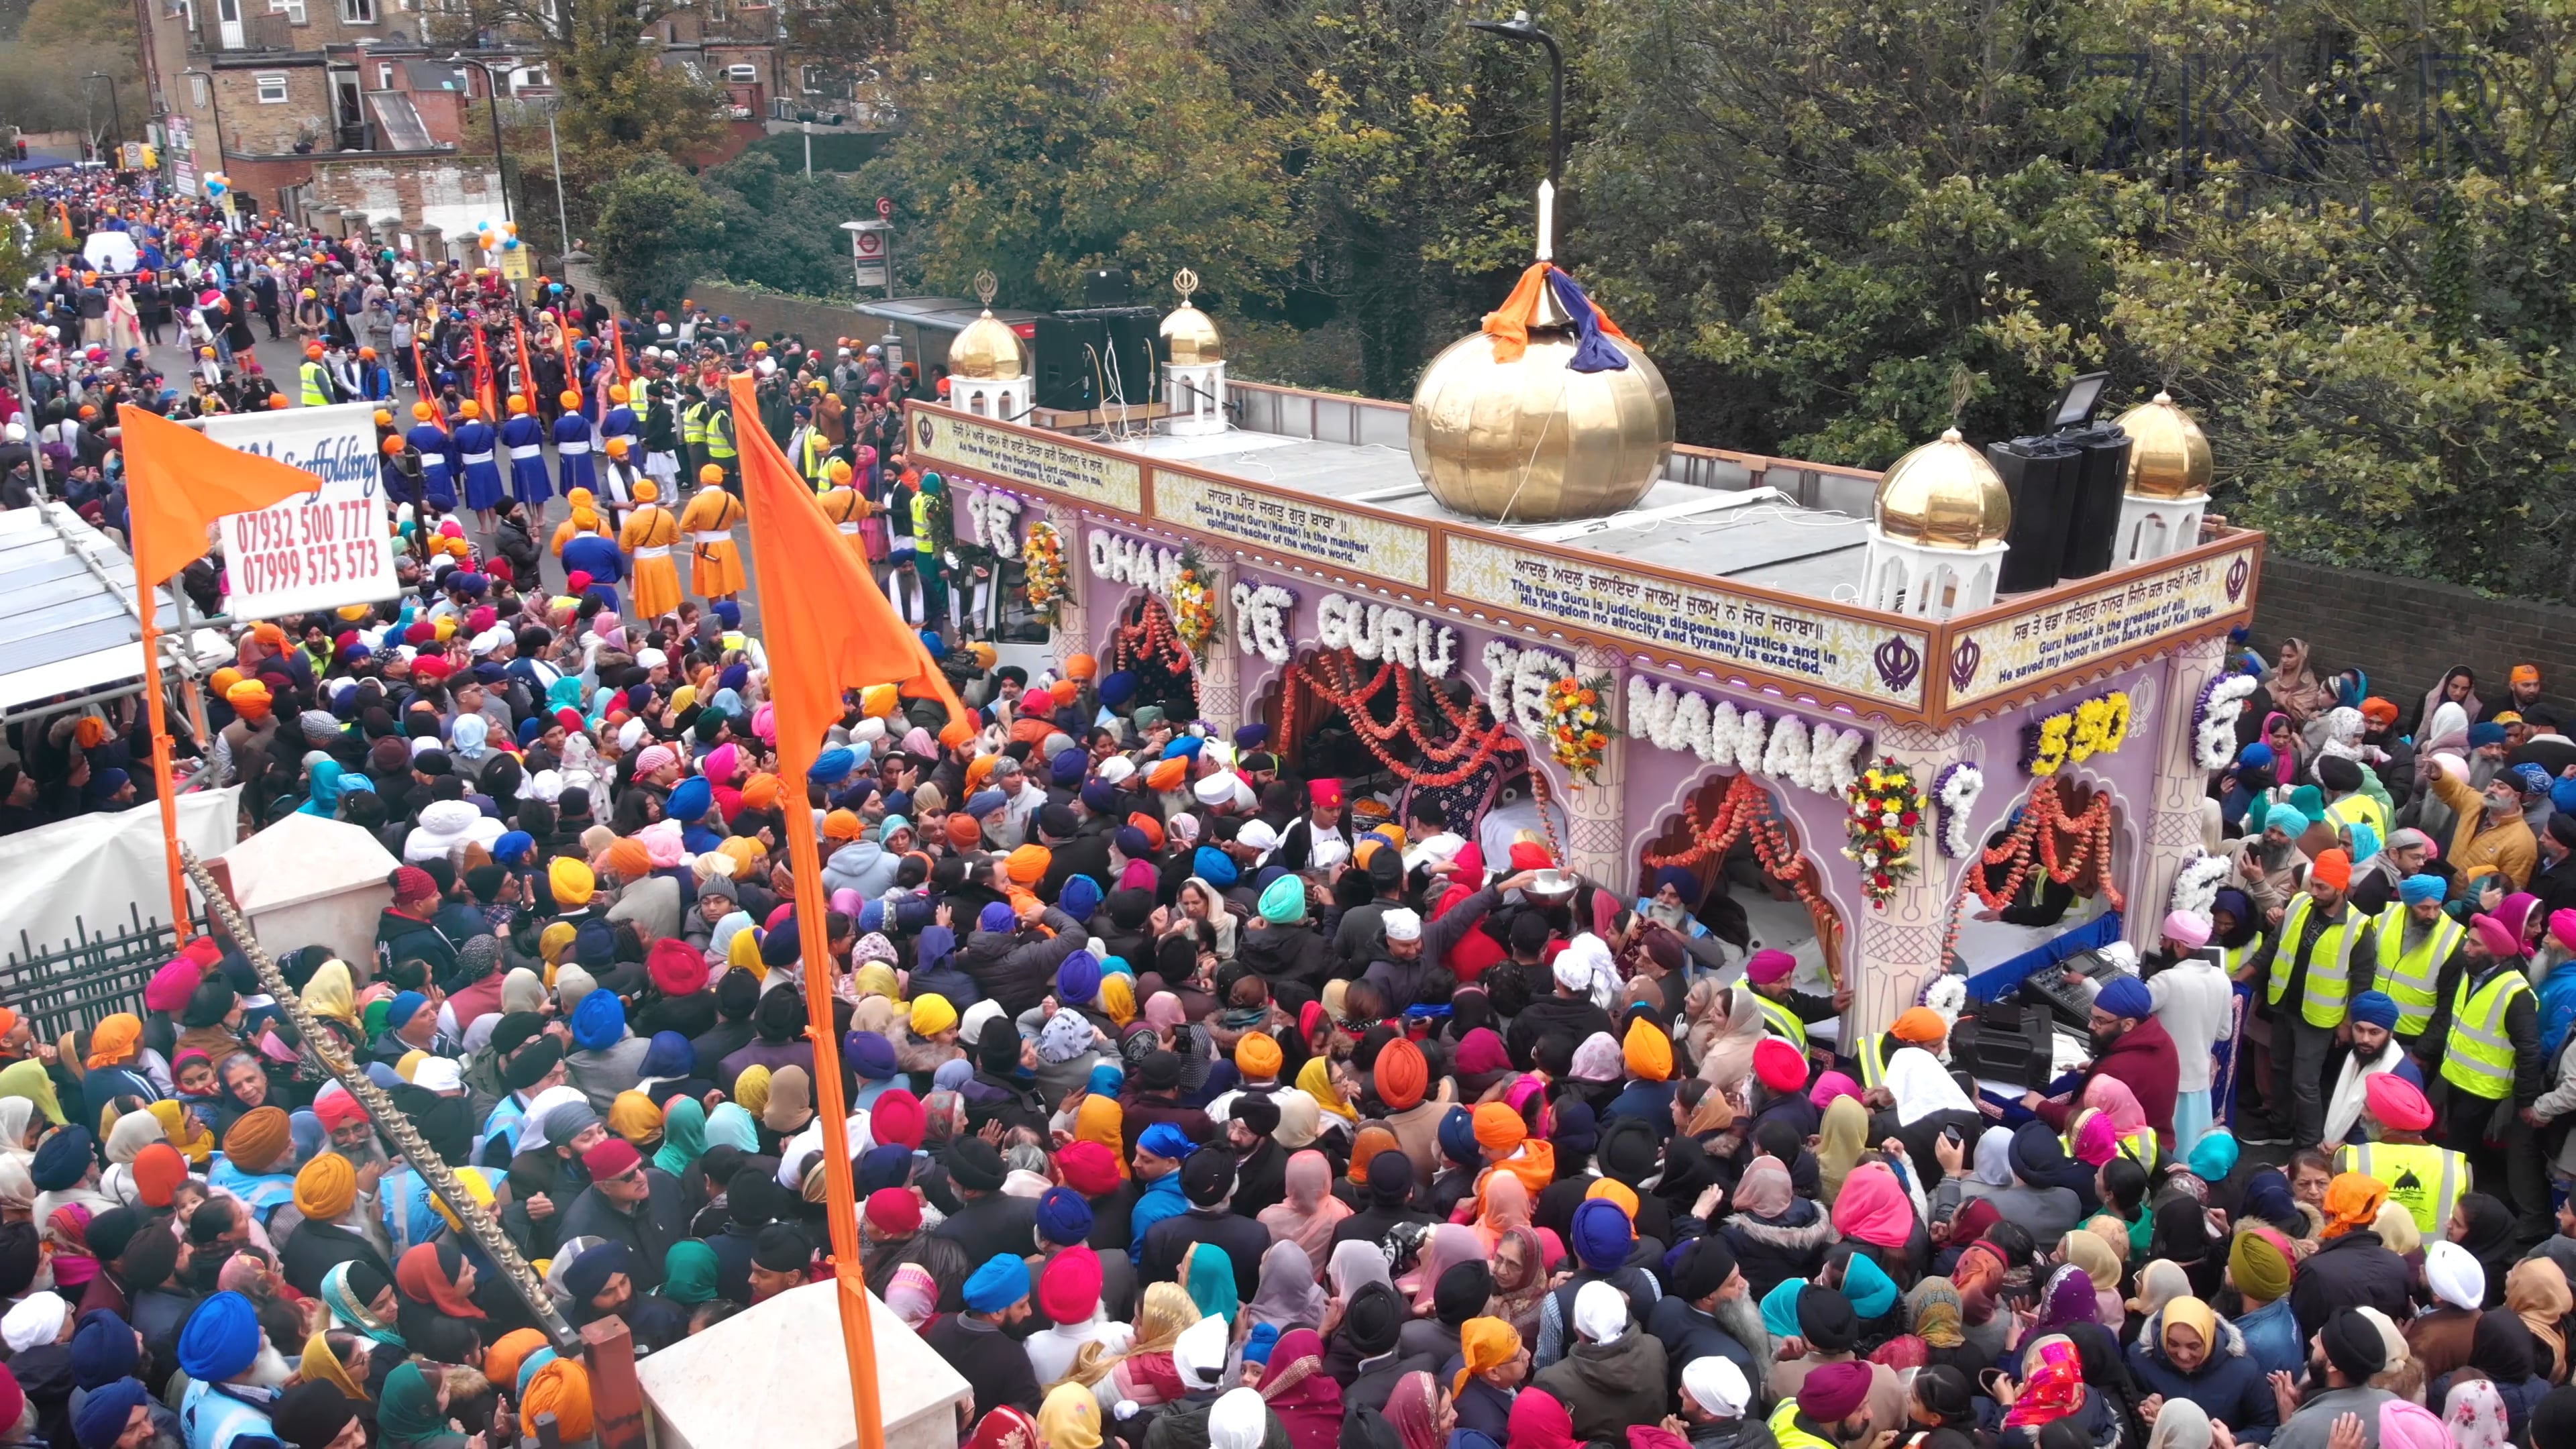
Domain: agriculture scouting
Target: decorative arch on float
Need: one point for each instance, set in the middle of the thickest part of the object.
(1730, 808)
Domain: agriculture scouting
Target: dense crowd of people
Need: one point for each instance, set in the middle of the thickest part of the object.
(1193, 1102)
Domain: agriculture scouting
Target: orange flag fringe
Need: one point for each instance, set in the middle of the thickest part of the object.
(826, 624)
(178, 482)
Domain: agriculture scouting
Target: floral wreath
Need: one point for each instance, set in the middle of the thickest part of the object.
(1883, 810)
(1956, 790)
(1475, 738)
(1042, 554)
(1194, 615)
(2213, 719)
(1577, 725)
(2095, 727)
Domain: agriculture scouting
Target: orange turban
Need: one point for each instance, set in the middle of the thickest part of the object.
(1402, 1075)
(1499, 1128)
(1616, 1191)
(114, 1040)
(501, 1361)
(1152, 827)
(2334, 868)
(258, 1139)
(1920, 1025)
(1257, 1056)
(963, 831)
(1647, 1051)
(1081, 666)
(1167, 775)
(955, 734)
(841, 825)
(1028, 864)
(630, 858)
(561, 1388)
(2353, 1200)
(760, 792)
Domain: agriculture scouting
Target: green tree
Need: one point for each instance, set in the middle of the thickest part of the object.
(785, 232)
(660, 229)
(1046, 137)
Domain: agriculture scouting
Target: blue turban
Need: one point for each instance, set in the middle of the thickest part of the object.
(2258, 755)
(221, 1338)
(2376, 1007)
(2562, 796)
(1252, 737)
(985, 802)
(933, 645)
(599, 1022)
(1001, 1282)
(2535, 780)
(1458, 1136)
(1214, 866)
(406, 1005)
(1077, 981)
(870, 1055)
(2365, 839)
(690, 799)
(872, 916)
(512, 845)
(668, 1054)
(1780, 1308)
(1603, 1236)
(1106, 1080)
(2214, 1155)
(995, 917)
(531, 727)
(729, 613)
(1079, 898)
(2125, 996)
(1063, 1217)
(1132, 843)
(1116, 966)
(886, 1166)
(1067, 766)
(1185, 747)
(1167, 1141)
(1117, 687)
(831, 767)
(357, 784)
(2291, 820)
(1684, 884)
(110, 1406)
(734, 677)
(102, 1350)
(1098, 796)
(1265, 1338)
(2417, 889)
(2486, 732)
(898, 804)
(1871, 1291)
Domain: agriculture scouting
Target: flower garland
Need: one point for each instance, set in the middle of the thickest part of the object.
(1578, 726)
(2095, 727)
(1475, 740)
(991, 512)
(2041, 841)
(1956, 789)
(1149, 640)
(1261, 619)
(1042, 552)
(1883, 809)
(2213, 719)
(1193, 603)
(1745, 810)
(2195, 886)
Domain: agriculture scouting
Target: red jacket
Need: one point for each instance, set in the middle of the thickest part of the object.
(2144, 1061)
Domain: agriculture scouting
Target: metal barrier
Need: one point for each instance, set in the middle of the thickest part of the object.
(73, 986)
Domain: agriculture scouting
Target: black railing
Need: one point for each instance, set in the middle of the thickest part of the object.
(87, 978)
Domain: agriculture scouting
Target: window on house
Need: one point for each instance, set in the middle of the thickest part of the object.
(384, 75)
(742, 74)
(358, 12)
(293, 10)
(272, 88)
(200, 94)
(810, 79)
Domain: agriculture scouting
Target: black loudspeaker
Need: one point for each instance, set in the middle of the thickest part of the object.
(1126, 343)
(1063, 354)
(2037, 471)
(1108, 287)
(2093, 517)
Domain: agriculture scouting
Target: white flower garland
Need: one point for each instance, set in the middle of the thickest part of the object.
(1821, 757)
(2195, 886)
(1382, 631)
(1960, 786)
(1124, 560)
(1516, 682)
(2214, 742)
(990, 516)
(1261, 619)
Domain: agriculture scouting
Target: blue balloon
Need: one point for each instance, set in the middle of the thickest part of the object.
(510, 244)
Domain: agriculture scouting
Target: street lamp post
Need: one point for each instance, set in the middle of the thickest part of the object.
(492, 96)
(1520, 28)
(115, 111)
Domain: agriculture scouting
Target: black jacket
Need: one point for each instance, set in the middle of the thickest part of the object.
(649, 1228)
(2354, 1270)
(1017, 968)
(1243, 1240)
(1773, 1251)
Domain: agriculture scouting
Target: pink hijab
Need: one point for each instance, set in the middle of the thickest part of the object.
(1310, 1212)
(2118, 1103)
(1874, 1208)
(1450, 1245)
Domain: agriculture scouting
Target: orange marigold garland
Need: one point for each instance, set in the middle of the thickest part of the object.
(1474, 739)
(1883, 812)
(1579, 730)
(1149, 640)
(1746, 810)
(1193, 603)
(2070, 849)
(1042, 553)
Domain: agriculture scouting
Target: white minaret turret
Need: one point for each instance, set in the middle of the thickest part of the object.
(1193, 367)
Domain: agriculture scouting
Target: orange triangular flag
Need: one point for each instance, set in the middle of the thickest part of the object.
(826, 624)
(178, 482)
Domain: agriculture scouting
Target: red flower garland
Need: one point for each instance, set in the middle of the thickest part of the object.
(1746, 809)
(1334, 677)
(2069, 848)
(1151, 639)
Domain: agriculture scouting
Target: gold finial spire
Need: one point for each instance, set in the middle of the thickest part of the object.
(986, 284)
(1185, 282)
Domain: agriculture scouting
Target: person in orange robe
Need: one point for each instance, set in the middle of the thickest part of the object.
(715, 561)
(585, 519)
(845, 506)
(651, 533)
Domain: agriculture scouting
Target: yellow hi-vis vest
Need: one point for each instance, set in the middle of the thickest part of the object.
(2407, 976)
(2424, 1178)
(693, 424)
(720, 436)
(2478, 1057)
(317, 386)
(2329, 981)
(1873, 1060)
(1777, 1016)
(2357, 809)
(1784, 1427)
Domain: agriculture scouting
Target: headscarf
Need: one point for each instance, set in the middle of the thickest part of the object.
(1070, 1418)
(1935, 1313)
(2087, 1251)
(1315, 1079)
(1412, 1408)
(319, 1363)
(2475, 1416)
(2536, 1290)
(2067, 1299)
(1449, 1245)
(731, 1125)
(1355, 1264)
(330, 993)
(1994, 1157)
(1765, 1190)
(684, 1135)
(1539, 1420)
(2052, 1388)
(1287, 1295)
(1310, 1212)
(1724, 1044)
(347, 1294)
(1873, 1207)
(409, 1413)
(2182, 1424)
(1209, 1275)
(30, 1080)
(1844, 1138)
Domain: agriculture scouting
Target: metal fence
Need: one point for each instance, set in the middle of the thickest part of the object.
(88, 977)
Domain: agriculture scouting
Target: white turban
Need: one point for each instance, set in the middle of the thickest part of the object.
(2456, 1277)
(35, 1321)
(1600, 1316)
(1198, 1355)
(1717, 1386)
(1584, 967)
(1239, 1420)
(1214, 790)
(1401, 924)
(1116, 769)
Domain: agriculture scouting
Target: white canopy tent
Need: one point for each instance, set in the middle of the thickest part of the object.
(74, 637)
(307, 881)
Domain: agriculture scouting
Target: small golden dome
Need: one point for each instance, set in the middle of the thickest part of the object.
(1532, 441)
(2168, 453)
(1189, 338)
(987, 351)
(1944, 495)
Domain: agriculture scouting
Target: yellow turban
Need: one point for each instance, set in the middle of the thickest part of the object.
(1649, 1053)
(745, 953)
(555, 941)
(572, 882)
(1117, 997)
(326, 1187)
(931, 1015)
(634, 1117)
(1257, 1056)
(877, 701)
(476, 1187)
(751, 1089)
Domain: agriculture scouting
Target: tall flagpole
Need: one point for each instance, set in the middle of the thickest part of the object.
(161, 786)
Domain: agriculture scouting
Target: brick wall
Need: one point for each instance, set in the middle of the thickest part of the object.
(817, 322)
(443, 190)
(252, 127)
(2407, 633)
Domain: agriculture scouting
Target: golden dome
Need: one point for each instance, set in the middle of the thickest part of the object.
(1533, 442)
(2168, 453)
(1189, 338)
(987, 351)
(1944, 495)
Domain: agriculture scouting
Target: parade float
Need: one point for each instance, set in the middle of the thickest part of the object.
(1895, 727)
